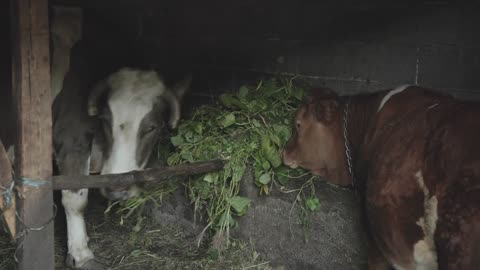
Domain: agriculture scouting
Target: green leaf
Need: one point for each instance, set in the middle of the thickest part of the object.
(266, 165)
(256, 123)
(265, 178)
(243, 92)
(283, 132)
(238, 173)
(298, 93)
(210, 177)
(231, 102)
(226, 220)
(177, 140)
(198, 128)
(270, 152)
(189, 136)
(240, 204)
(275, 159)
(228, 120)
(282, 174)
(227, 100)
(276, 139)
(313, 203)
(202, 188)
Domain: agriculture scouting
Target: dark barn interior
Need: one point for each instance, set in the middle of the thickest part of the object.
(347, 45)
(350, 46)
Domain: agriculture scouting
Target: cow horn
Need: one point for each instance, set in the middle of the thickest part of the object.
(174, 98)
(174, 108)
(181, 87)
(98, 91)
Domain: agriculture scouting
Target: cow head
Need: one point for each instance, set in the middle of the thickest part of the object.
(134, 107)
(317, 142)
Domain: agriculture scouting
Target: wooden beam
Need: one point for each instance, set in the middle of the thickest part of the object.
(154, 175)
(31, 91)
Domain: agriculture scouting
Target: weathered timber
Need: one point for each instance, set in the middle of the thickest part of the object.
(152, 175)
(32, 100)
(6, 181)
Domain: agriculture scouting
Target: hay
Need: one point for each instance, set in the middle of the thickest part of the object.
(126, 247)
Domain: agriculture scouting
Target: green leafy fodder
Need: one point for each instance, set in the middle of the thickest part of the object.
(249, 127)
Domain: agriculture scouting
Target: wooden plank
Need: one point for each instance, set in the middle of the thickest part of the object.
(154, 175)
(31, 91)
(7, 200)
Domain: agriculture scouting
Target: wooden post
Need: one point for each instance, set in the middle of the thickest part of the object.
(31, 91)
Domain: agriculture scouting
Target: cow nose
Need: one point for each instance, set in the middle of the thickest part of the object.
(287, 161)
(122, 194)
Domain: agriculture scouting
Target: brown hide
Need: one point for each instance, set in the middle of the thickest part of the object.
(418, 161)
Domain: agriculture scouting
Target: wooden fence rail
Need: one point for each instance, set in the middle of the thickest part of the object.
(149, 175)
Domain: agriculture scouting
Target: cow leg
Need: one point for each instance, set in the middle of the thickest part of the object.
(74, 203)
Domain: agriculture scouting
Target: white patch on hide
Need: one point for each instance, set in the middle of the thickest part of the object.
(424, 252)
(390, 94)
(74, 204)
(133, 95)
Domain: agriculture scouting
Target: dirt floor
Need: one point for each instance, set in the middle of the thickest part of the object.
(149, 246)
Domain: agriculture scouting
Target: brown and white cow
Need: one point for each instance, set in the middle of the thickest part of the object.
(102, 124)
(415, 158)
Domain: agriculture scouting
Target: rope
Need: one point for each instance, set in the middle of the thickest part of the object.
(27, 229)
(32, 183)
(8, 193)
(348, 153)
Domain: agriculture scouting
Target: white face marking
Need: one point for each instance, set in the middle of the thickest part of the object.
(74, 203)
(132, 97)
(390, 94)
(424, 252)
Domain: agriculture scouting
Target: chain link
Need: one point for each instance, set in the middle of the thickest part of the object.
(348, 153)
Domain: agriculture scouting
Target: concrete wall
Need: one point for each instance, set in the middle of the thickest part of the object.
(348, 45)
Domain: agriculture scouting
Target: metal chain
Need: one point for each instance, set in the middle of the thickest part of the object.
(348, 153)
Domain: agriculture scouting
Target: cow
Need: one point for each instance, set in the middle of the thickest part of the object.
(413, 155)
(103, 125)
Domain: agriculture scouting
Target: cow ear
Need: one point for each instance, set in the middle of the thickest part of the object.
(182, 87)
(326, 110)
(97, 97)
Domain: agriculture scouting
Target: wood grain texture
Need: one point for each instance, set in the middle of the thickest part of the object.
(154, 175)
(31, 91)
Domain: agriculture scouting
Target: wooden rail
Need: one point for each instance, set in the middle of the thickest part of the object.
(154, 175)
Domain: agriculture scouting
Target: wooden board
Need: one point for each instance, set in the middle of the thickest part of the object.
(31, 91)
(7, 200)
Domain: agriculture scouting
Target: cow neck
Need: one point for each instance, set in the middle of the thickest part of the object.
(361, 110)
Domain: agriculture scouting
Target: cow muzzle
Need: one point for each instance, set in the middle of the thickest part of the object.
(287, 161)
(120, 194)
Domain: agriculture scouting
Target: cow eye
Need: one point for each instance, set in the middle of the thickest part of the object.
(150, 129)
(297, 124)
